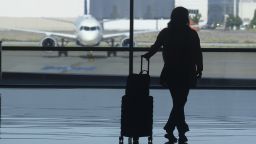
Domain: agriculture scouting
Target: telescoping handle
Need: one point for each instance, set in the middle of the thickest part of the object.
(141, 65)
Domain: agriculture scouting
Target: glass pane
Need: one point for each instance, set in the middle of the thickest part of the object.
(87, 23)
(219, 23)
(80, 23)
(23, 26)
(150, 17)
(216, 65)
(115, 16)
(156, 64)
(89, 63)
(230, 65)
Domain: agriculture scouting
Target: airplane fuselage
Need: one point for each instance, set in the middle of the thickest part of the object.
(88, 31)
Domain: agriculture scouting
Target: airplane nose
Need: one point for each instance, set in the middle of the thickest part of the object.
(89, 38)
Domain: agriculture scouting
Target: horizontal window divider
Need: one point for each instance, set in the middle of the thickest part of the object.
(122, 49)
(69, 81)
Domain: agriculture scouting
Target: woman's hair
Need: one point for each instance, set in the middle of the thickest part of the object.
(180, 16)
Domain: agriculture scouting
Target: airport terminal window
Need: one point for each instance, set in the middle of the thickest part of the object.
(229, 23)
(65, 26)
(220, 24)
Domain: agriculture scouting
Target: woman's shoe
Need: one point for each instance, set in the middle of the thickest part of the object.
(171, 138)
(135, 140)
(183, 139)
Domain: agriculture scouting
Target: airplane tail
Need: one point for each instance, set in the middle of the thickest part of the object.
(88, 6)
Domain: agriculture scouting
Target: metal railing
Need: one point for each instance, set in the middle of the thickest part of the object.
(120, 49)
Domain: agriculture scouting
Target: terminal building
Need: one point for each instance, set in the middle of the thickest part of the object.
(195, 6)
(246, 10)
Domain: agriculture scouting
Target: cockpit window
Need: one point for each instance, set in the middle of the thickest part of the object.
(93, 28)
(86, 28)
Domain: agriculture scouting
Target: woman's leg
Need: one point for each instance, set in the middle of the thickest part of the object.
(180, 98)
(177, 115)
(170, 125)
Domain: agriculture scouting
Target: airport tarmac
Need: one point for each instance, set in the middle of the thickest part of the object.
(216, 64)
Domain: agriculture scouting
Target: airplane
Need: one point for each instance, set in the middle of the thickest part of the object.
(88, 32)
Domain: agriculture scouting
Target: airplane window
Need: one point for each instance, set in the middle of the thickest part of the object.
(86, 28)
(93, 28)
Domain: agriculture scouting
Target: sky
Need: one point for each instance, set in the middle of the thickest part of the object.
(41, 8)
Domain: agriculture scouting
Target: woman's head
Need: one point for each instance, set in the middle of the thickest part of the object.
(180, 16)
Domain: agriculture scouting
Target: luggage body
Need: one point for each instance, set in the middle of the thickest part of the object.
(137, 85)
(137, 108)
(136, 116)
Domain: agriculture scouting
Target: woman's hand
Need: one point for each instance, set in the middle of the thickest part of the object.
(147, 56)
(199, 74)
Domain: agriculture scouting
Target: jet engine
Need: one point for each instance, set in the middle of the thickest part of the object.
(49, 42)
(126, 42)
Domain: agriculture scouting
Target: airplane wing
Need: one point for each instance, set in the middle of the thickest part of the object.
(60, 20)
(54, 34)
(114, 35)
(126, 34)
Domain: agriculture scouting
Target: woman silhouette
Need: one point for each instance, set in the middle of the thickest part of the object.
(182, 66)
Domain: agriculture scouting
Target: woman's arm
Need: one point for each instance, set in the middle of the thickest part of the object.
(155, 47)
(199, 56)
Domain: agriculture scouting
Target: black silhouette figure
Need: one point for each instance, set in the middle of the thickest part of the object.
(182, 66)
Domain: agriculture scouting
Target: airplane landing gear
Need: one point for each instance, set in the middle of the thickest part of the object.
(62, 52)
(111, 52)
(63, 43)
(112, 44)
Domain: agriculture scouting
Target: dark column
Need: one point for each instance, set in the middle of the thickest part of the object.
(0, 60)
(0, 112)
(131, 36)
(0, 79)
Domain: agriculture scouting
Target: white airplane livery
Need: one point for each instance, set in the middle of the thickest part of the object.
(89, 32)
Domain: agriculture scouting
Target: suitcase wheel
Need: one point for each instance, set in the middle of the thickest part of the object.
(135, 140)
(150, 140)
(129, 140)
(121, 140)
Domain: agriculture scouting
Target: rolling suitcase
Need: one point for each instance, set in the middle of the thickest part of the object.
(137, 108)
(138, 84)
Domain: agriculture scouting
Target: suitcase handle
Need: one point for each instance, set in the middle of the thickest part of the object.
(141, 65)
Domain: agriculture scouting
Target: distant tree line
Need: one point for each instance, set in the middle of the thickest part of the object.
(233, 22)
